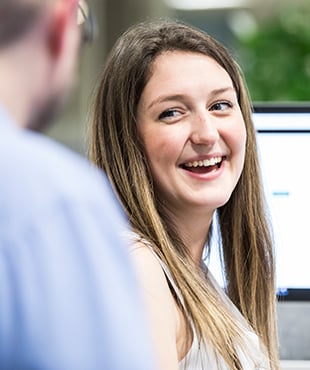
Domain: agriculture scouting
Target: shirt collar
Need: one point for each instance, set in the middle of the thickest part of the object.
(6, 119)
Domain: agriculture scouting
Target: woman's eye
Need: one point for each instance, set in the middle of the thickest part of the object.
(221, 106)
(169, 113)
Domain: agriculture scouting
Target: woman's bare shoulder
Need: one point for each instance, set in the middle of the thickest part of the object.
(159, 303)
(147, 265)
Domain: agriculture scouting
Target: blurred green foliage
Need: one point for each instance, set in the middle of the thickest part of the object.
(275, 57)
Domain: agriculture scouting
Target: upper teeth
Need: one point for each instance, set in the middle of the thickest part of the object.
(204, 163)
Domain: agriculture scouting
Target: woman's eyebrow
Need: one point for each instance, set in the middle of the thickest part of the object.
(166, 98)
(222, 90)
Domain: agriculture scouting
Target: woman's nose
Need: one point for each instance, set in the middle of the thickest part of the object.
(204, 129)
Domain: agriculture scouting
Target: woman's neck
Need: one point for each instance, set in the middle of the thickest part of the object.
(193, 230)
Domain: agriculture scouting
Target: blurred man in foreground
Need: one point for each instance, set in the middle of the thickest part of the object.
(68, 297)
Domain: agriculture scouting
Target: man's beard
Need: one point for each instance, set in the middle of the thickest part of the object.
(47, 113)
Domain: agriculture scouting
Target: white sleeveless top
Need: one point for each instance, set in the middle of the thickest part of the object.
(201, 356)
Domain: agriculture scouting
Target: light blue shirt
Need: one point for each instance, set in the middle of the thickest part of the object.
(68, 296)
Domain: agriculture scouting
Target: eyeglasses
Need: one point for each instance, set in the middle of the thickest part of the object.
(86, 22)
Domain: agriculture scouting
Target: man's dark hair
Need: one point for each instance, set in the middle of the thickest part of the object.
(16, 18)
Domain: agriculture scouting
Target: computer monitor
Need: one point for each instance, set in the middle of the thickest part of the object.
(283, 137)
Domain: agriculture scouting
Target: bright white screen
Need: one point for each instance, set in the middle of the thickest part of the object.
(286, 177)
(284, 146)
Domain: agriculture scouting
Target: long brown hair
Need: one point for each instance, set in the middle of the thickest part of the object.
(245, 236)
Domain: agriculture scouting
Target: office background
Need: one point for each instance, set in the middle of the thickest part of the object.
(271, 41)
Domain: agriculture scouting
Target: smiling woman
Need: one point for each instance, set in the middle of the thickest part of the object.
(172, 129)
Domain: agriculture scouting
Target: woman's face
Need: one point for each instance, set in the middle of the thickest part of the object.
(192, 130)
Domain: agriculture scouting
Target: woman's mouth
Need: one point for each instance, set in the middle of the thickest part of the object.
(204, 166)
